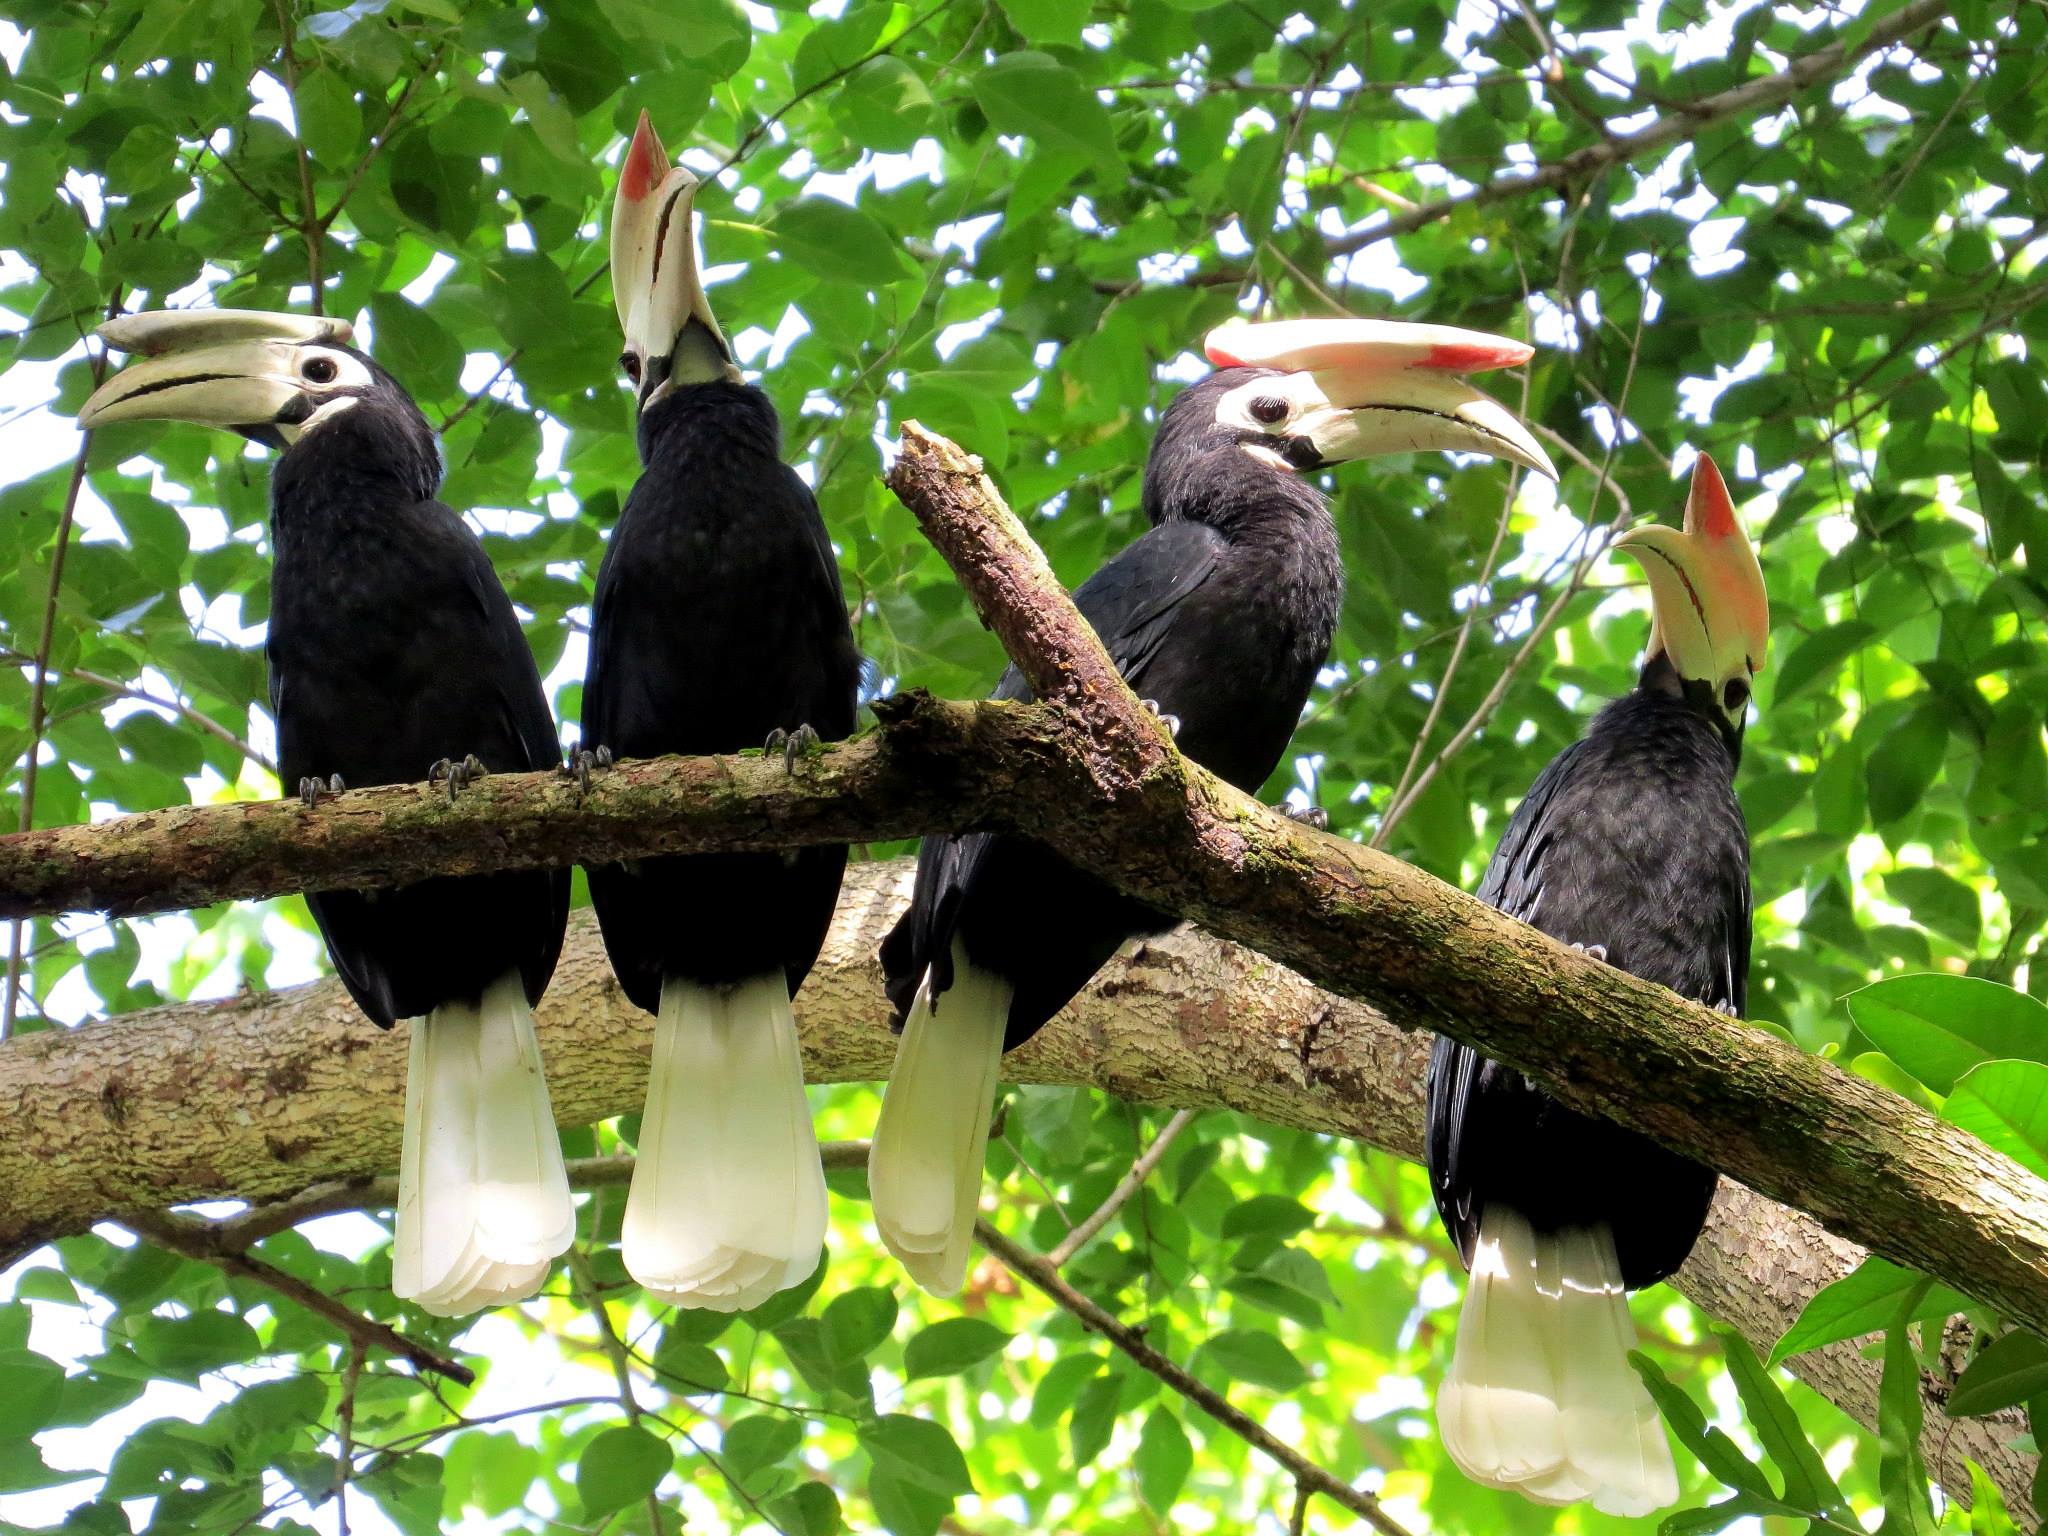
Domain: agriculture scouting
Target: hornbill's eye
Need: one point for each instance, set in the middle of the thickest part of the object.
(631, 364)
(1269, 409)
(1734, 694)
(319, 370)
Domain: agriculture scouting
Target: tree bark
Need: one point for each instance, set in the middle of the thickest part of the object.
(1094, 776)
(263, 1095)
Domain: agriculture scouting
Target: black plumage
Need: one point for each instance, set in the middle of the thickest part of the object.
(1221, 615)
(391, 647)
(718, 619)
(1630, 841)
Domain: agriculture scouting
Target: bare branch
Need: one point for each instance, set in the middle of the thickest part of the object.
(1129, 1185)
(1752, 99)
(1028, 1266)
(195, 1240)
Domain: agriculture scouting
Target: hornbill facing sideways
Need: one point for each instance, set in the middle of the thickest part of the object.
(395, 654)
(1630, 845)
(1219, 617)
(718, 624)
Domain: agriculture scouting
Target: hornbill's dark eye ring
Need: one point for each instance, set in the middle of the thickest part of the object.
(319, 370)
(631, 364)
(1269, 409)
(1734, 694)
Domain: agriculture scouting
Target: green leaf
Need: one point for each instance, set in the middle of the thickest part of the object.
(918, 1451)
(1938, 901)
(858, 1321)
(620, 1466)
(1807, 1483)
(1906, 763)
(1937, 1026)
(888, 104)
(1715, 1451)
(760, 1440)
(35, 1386)
(2004, 1104)
(191, 1346)
(1863, 1301)
(949, 1347)
(1047, 21)
(414, 347)
(1094, 1418)
(330, 122)
(1259, 1358)
(1901, 1475)
(1268, 1216)
(1164, 1458)
(2010, 1369)
(838, 243)
(812, 1510)
(1035, 95)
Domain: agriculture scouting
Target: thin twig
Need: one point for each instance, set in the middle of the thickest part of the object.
(608, 1338)
(309, 226)
(1542, 627)
(345, 1431)
(38, 683)
(377, 145)
(1140, 1171)
(1751, 99)
(183, 711)
(1028, 1266)
(196, 1239)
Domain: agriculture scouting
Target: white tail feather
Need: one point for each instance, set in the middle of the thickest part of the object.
(728, 1199)
(1540, 1396)
(924, 1171)
(483, 1198)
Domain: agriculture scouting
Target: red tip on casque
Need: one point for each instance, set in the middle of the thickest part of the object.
(1221, 358)
(1477, 357)
(646, 162)
(1708, 509)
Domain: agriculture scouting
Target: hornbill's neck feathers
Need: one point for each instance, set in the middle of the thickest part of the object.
(286, 381)
(672, 338)
(1710, 624)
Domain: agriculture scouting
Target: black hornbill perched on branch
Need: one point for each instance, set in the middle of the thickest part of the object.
(1631, 846)
(1220, 617)
(395, 654)
(718, 624)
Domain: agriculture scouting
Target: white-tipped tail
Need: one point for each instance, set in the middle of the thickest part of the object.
(1541, 1397)
(924, 1170)
(483, 1199)
(728, 1198)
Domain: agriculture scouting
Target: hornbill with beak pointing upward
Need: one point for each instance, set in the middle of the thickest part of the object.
(718, 624)
(1219, 617)
(1631, 846)
(394, 653)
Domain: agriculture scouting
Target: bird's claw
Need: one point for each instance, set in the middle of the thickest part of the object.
(1308, 815)
(312, 787)
(1171, 722)
(583, 762)
(1592, 951)
(460, 775)
(791, 744)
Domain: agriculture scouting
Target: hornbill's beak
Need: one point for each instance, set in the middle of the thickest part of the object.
(671, 333)
(240, 368)
(1357, 388)
(1710, 613)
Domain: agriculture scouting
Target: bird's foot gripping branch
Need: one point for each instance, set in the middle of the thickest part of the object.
(1094, 775)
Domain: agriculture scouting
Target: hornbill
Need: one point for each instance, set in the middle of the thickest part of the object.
(394, 653)
(1630, 846)
(718, 624)
(1219, 617)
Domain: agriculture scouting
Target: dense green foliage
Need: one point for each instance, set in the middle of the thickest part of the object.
(1014, 222)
